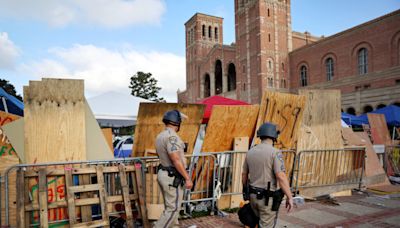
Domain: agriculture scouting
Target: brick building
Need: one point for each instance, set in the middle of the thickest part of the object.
(363, 62)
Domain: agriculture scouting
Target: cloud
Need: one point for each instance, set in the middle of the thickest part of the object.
(8, 52)
(107, 13)
(105, 70)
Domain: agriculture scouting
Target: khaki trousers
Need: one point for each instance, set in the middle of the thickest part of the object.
(267, 216)
(172, 201)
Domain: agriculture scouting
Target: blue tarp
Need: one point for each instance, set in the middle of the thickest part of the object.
(353, 120)
(391, 112)
(14, 105)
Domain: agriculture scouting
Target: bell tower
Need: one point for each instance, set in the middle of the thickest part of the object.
(263, 40)
(202, 33)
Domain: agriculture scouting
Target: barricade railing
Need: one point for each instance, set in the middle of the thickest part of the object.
(318, 168)
(391, 161)
(46, 193)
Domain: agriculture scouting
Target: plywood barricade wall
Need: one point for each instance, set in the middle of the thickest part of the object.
(321, 130)
(284, 110)
(8, 158)
(225, 124)
(54, 129)
(149, 125)
(379, 130)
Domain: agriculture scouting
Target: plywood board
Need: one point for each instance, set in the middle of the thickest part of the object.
(228, 122)
(107, 132)
(97, 147)
(54, 123)
(8, 158)
(321, 125)
(149, 124)
(285, 110)
(321, 130)
(379, 129)
(15, 134)
(373, 169)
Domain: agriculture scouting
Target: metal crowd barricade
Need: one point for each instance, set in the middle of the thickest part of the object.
(318, 168)
(112, 185)
(391, 161)
(202, 169)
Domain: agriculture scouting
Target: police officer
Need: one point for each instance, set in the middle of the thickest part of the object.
(170, 150)
(263, 168)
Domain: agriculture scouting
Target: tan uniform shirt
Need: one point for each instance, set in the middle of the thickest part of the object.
(261, 164)
(169, 142)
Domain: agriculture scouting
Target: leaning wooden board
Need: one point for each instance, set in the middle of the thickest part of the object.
(54, 116)
(320, 130)
(379, 129)
(149, 125)
(285, 110)
(8, 158)
(228, 122)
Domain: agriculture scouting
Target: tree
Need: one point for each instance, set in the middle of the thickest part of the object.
(9, 88)
(145, 86)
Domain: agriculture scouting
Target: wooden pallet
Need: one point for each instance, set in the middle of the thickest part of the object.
(84, 187)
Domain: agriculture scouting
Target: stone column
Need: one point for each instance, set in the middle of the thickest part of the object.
(212, 84)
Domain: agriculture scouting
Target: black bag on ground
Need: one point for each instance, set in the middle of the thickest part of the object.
(247, 216)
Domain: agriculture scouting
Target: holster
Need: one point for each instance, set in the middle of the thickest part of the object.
(172, 172)
(246, 191)
(277, 197)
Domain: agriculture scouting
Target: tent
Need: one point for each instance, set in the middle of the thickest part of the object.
(11, 104)
(217, 100)
(353, 120)
(113, 109)
(391, 112)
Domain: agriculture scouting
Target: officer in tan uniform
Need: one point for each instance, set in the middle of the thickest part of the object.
(172, 174)
(263, 168)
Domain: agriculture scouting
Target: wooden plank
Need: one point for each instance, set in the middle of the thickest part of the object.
(86, 211)
(141, 193)
(285, 110)
(149, 124)
(154, 210)
(44, 223)
(125, 193)
(108, 135)
(98, 223)
(85, 188)
(379, 129)
(8, 157)
(102, 195)
(20, 199)
(234, 121)
(240, 144)
(70, 197)
(54, 115)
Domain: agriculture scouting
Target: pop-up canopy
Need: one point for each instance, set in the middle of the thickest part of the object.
(9, 103)
(217, 100)
(391, 112)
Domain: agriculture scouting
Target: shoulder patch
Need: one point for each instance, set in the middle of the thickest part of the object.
(173, 140)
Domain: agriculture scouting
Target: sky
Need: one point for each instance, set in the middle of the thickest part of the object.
(105, 42)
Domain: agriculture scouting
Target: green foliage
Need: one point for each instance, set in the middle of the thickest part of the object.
(145, 86)
(9, 88)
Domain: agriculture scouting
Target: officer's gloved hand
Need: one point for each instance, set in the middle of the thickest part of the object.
(246, 192)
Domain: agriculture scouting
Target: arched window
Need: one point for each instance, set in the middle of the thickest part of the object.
(209, 32)
(303, 76)
(189, 37)
(268, 12)
(329, 65)
(216, 33)
(218, 77)
(351, 111)
(368, 108)
(270, 82)
(231, 77)
(207, 85)
(362, 61)
(203, 31)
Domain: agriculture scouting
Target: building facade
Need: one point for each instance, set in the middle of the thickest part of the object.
(363, 62)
